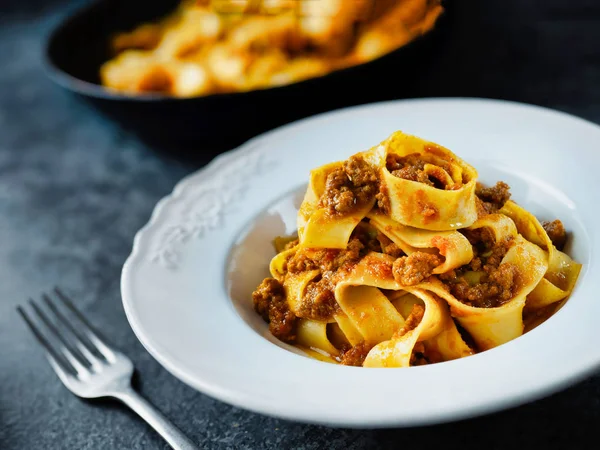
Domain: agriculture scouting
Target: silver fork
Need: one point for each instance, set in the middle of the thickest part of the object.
(89, 367)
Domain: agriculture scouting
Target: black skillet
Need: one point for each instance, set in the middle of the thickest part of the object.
(80, 44)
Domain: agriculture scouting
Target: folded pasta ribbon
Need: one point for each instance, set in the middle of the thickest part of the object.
(559, 280)
(278, 265)
(295, 288)
(317, 228)
(453, 246)
(436, 330)
(447, 202)
(490, 327)
(311, 335)
(370, 316)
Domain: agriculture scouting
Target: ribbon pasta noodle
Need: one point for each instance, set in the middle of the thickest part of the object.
(403, 258)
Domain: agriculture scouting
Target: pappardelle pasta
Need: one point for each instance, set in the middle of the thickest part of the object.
(403, 258)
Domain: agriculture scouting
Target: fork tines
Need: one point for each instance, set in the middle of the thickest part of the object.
(72, 346)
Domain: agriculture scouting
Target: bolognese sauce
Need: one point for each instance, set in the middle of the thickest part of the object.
(349, 187)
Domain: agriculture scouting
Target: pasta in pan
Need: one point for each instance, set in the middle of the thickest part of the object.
(402, 258)
(219, 46)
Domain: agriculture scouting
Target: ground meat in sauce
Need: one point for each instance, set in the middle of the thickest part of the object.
(412, 167)
(482, 238)
(486, 251)
(496, 281)
(350, 256)
(412, 269)
(383, 199)
(368, 237)
(413, 319)
(495, 291)
(263, 295)
(388, 247)
(327, 259)
(556, 232)
(356, 355)
(319, 301)
(351, 186)
(428, 210)
(269, 301)
(493, 198)
(291, 244)
(301, 262)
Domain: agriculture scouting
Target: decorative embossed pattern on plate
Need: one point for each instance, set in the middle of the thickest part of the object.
(209, 202)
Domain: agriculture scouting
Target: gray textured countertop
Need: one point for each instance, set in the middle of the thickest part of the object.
(74, 189)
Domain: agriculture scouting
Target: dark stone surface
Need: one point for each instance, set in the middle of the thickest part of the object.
(74, 189)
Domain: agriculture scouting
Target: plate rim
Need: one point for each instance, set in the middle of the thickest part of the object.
(220, 394)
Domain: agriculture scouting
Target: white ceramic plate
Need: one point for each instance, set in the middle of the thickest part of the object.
(188, 282)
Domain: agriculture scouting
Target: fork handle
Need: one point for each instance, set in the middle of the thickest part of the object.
(155, 419)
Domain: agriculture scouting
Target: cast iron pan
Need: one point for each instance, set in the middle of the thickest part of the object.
(80, 44)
